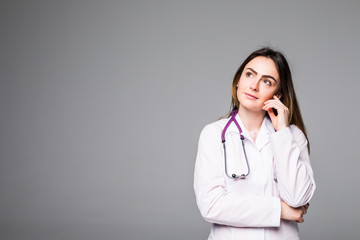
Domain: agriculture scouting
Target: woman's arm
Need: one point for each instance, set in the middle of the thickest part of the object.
(293, 169)
(216, 203)
(294, 173)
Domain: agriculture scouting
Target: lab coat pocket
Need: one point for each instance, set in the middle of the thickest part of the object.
(239, 185)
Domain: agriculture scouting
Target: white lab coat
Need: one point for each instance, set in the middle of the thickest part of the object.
(250, 208)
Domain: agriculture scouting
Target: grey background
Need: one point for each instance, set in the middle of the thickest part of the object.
(102, 104)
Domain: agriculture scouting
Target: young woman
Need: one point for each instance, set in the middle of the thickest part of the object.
(253, 178)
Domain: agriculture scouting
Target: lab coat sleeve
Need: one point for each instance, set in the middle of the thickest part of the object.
(293, 169)
(216, 203)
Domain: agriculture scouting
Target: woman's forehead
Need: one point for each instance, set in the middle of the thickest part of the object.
(263, 66)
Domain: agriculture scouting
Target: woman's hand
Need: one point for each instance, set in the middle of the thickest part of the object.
(282, 119)
(293, 214)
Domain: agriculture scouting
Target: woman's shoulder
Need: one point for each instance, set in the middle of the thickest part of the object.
(214, 128)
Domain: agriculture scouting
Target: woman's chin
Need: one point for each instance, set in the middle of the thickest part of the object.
(253, 109)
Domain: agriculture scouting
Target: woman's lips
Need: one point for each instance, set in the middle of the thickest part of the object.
(250, 96)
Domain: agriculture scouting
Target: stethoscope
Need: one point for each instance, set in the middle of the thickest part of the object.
(232, 119)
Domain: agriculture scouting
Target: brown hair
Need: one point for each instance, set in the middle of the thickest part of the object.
(287, 91)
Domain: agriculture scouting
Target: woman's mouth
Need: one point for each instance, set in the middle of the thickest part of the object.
(250, 96)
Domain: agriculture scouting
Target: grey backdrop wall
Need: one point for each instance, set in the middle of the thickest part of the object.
(102, 104)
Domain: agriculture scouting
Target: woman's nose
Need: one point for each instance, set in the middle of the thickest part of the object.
(254, 85)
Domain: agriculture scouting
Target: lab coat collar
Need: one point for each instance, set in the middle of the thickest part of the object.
(263, 137)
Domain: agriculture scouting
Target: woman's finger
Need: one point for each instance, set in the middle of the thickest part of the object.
(278, 108)
(270, 112)
(307, 206)
(304, 210)
(301, 220)
(275, 103)
(275, 99)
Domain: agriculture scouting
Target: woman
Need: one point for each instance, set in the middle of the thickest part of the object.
(258, 187)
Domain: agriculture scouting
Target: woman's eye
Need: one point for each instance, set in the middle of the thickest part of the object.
(248, 74)
(267, 82)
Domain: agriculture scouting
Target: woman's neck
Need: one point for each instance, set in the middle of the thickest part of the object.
(251, 120)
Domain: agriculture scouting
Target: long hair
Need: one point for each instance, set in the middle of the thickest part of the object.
(287, 91)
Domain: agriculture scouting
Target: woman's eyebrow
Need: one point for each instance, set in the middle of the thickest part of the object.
(264, 76)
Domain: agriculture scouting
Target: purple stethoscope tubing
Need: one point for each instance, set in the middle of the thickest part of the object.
(232, 119)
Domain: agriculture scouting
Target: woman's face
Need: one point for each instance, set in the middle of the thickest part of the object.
(258, 83)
